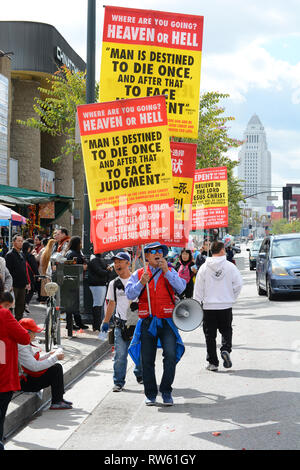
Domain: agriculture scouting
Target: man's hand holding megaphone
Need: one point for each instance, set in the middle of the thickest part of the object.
(163, 265)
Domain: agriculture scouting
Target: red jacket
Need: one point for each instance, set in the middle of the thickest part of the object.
(11, 334)
(161, 297)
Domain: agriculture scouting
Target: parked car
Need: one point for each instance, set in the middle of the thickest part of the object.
(236, 248)
(253, 252)
(278, 265)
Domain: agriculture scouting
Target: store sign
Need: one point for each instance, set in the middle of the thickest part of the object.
(62, 57)
(4, 84)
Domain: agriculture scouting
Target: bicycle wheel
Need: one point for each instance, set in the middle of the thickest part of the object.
(48, 329)
(56, 329)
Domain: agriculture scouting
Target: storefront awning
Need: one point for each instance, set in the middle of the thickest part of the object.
(27, 197)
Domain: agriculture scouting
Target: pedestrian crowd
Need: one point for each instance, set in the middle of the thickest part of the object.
(133, 301)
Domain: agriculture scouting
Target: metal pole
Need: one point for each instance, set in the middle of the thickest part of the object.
(90, 98)
(147, 286)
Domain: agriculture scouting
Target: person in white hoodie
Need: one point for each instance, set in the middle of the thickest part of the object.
(217, 286)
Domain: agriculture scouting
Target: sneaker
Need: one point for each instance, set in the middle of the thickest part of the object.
(140, 380)
(212, 367)
(81, 327)
(167, 399)
(67, 402)
(40, 394)
(226, 358)
(117, 388)
(150, 401)
(60, 406)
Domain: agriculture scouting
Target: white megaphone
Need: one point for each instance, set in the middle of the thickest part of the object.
(187, 315)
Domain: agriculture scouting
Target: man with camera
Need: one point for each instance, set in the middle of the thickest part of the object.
(124, 320)
(155, 327)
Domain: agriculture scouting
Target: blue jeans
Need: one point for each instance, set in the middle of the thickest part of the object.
(99, 293)
(148, 351)
(120, 360)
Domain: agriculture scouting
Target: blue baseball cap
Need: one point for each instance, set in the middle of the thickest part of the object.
(122, 255)
(152, 246)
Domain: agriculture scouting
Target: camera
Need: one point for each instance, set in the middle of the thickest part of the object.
(134, 306)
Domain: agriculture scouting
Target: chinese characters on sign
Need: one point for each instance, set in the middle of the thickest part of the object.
(183, 167)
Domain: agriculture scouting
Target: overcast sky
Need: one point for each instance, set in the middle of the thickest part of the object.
(251, 50)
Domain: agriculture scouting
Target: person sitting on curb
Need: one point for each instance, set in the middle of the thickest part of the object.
(122, 334)
(41, 370)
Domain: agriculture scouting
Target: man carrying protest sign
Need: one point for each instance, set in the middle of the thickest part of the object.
(155, 327)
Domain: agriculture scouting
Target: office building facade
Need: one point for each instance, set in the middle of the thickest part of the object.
(255, 166)
(26, 154)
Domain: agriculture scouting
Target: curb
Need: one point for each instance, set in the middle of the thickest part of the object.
(24, 406)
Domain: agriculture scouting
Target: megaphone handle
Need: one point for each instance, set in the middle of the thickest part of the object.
(147, 286)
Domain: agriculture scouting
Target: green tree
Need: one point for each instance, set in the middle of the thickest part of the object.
(56, 109)
(284, 226)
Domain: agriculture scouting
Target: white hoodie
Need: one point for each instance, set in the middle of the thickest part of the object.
(218, 284)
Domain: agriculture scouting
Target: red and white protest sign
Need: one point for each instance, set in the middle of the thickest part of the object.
(183, 167)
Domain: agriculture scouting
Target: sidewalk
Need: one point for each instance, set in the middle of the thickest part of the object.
(81, 351)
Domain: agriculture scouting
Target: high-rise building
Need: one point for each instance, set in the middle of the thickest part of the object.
(255, 165)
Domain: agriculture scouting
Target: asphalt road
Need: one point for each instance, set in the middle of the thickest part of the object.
(253, 406)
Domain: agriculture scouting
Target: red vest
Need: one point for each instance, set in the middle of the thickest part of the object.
(30, 372)
(161, 297)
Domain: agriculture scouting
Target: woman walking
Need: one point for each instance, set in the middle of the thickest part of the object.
(31, 271)
(186, 271)
(74, 252)
(98, 278)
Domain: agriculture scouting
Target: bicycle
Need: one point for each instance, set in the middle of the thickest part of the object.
(52, 320)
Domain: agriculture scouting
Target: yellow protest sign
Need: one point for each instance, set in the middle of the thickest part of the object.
(149, 53)
(127, 161)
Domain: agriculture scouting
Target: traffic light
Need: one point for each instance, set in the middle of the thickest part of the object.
(287, 193)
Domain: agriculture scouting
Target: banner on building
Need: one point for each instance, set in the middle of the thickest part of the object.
(148, 53)
(183, 167)
(210, 199)
(128, 169)
(47, 210)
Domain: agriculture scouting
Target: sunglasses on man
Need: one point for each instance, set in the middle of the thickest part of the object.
(158, 250)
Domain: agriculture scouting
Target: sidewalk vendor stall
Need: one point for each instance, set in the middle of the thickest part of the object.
(8, 217)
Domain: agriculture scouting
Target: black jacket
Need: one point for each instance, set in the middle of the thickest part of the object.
(97, 272)
(201, 258)
(76, 254)
(15, 263)
(32, 268)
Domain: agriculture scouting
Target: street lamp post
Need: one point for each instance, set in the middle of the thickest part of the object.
(90, 98)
